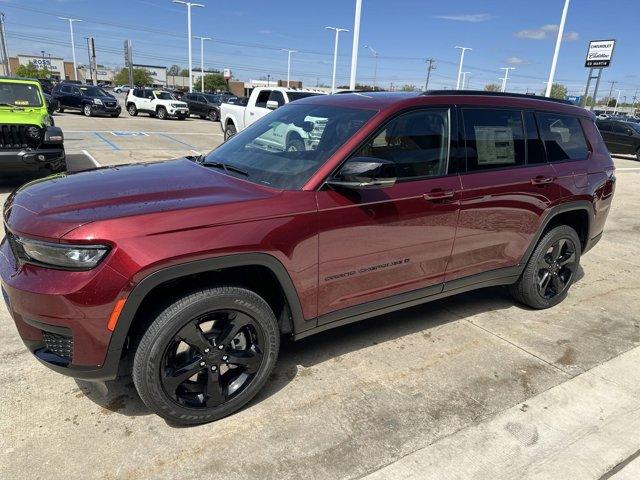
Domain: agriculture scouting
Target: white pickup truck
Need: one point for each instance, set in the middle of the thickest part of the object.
(235, 118)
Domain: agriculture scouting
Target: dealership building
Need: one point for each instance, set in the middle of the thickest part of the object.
(59, 68)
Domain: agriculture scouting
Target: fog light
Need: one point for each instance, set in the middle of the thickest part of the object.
(41, 157)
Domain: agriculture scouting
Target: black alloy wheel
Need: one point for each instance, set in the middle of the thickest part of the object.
(212, 359)
(213, 115)
(206, 355)
(556, 268)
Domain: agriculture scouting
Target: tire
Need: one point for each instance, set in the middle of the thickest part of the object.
(157, 355)
(182, 117)
(543, 273)
(115, 115)
(230, 131)
(86, 110)
(638, 154)
(162, 113)
(59, 108)
(132, 110)
(295, 144)
(213, 115)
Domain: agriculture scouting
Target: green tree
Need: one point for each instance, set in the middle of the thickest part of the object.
(184, 72)
(212, 82)
(173, 70)
(492, 87)
(141, 77)
(558, 91)
(408, 88)
(31, 71)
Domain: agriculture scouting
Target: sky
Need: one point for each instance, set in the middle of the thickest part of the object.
(248, 37)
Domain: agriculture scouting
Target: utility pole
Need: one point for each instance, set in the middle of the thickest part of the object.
(375, 68)
(506, 77)
(431, 65)
(612, 82)
(4, 51)
(289, 52)
(73, 45)
(556, 52)
(89, 57)
(354, 47)
(615, 110)
(189, 5)
(335, 55)
(202, 40)
(462, 50)
(633, 104)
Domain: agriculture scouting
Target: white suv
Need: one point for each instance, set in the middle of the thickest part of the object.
(156, 103)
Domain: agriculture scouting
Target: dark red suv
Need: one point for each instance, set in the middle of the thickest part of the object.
(329, 210)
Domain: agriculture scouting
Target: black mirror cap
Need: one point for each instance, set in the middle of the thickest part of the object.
(365, 172)
(53, 135)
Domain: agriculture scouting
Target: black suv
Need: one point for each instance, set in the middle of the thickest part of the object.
(205, 105)
(621, 136)
(88, 99)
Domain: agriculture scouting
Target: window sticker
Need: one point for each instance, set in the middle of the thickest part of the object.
(21, 102)
(495, 145)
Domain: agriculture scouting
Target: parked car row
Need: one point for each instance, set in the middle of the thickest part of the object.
(621, 136)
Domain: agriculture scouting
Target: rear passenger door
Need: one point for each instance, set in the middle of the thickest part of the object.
(567, 150)
(507, 185)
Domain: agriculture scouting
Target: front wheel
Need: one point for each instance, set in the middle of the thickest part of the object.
(86, 110)
(132, 110)
(206, 355)
(638, 154)
(162, 113)
(551, 269)
(213, 115)
(229, 132)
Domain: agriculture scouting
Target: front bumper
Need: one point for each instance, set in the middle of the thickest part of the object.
(178, 112)
(50, 159)
(62, 316)
(104, 110)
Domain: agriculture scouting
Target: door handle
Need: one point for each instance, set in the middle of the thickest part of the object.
(540, 180)
(438, 194)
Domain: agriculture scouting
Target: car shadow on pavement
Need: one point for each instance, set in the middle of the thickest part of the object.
(120, 396)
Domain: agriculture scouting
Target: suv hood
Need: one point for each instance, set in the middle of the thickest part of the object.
(18, 116)
(52, 207)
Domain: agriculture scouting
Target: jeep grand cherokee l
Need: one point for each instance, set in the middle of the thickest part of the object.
(404, 199)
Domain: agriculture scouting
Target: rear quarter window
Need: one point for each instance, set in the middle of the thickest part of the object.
(563, 137)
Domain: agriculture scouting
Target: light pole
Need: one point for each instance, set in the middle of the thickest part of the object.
(462, 51)
(375, 67)
(202, 39)
(506, 77)
(356, 42)
(556, 52)
(189, 5)
(335, 55)
(615, 110)
(289, 52)
(464, 79)
(73, 45)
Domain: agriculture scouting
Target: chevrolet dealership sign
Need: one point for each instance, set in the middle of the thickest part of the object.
(600, 53)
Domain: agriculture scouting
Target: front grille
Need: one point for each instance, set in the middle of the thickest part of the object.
(110, 104)
(60, 345)
(15, 136)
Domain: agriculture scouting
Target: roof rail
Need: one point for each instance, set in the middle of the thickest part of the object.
(495, 94)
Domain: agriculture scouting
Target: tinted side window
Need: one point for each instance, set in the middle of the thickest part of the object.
(494, 138)
(263, 98)
(188, 97)
(619, 128)
(417, 142)
(75, 91)
(65, 89)
(535, 148)
(278, 97)
(603, 126)
(563, 137)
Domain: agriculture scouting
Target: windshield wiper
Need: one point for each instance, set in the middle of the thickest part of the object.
(225, 166)
(11, 105)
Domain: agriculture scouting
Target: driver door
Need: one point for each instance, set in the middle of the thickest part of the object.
(379, 243)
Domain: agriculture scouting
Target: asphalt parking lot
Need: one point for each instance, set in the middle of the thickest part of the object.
(472, 386)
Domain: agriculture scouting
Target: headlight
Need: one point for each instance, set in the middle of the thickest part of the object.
(74, 257)
(97, 101)
(179, 105)
(34, 133)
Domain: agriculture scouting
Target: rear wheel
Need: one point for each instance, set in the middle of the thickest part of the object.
(638, 154)
(551, 269)
(206, 355)
(133, 111)
(86, 110)
(230, 131)
(213, 115)
(162, 113)
(295, 144)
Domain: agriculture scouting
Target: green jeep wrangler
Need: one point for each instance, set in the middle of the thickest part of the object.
(29, 142)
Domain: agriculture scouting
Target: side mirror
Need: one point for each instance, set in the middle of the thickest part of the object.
(365, 172)
(630, 132)
(272, 104)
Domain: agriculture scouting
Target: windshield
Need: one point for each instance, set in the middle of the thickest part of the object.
(298, 95)
(93, 92)
(19, 95)
(284, 148)
(164, 96)
(634, 126)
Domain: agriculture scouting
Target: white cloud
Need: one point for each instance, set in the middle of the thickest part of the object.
(515, 61)
(474, 18)
(265, 32)
(545, 32)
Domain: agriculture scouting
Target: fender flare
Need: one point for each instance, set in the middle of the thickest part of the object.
(550, 215)
(147, 284)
